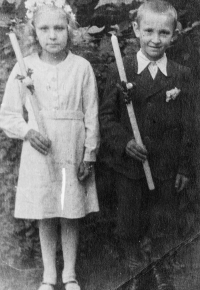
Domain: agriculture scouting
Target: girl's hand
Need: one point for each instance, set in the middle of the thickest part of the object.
(38, 142)
(84, 170)
(181, 182)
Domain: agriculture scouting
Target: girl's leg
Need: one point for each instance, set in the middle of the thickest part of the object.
(69, 237)
(48, 240)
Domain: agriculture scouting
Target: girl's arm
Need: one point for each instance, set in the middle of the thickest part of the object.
(90, 110)
(11, 113)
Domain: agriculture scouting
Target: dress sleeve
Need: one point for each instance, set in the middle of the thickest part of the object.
(90, 110)
(11, 112)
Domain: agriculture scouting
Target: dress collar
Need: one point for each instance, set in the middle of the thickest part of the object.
(46, 66)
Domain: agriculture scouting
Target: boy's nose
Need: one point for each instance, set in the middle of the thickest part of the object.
(156, 38)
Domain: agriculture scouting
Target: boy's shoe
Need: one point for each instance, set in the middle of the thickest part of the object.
(133, 259)
(72, 285)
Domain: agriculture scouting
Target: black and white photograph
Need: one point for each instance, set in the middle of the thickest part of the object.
(99, 144)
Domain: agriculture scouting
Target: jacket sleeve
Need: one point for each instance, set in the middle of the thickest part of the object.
(90, 110)
(11, 113)
(188, 125)
(113, 133)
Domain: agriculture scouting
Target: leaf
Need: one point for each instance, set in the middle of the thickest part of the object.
(196, 23)
(116, 2)
(95, 29)
(3, 24)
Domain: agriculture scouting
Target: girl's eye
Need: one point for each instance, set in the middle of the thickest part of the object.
(44, 28)
(59, 28)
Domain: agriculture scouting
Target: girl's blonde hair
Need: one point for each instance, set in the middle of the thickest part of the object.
(157, 6)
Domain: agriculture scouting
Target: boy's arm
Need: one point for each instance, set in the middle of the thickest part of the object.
(112, 132)
(188, 125)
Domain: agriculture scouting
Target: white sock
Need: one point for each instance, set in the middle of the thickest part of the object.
(48, 241)
(69, 238)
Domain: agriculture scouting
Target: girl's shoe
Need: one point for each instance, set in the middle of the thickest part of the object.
(72, 285)
(46, 286)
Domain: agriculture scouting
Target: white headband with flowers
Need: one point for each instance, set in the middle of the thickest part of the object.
(33, 5)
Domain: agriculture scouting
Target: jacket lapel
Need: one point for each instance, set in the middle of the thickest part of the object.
(145, 85)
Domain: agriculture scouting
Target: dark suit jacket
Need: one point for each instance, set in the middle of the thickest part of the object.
(165, 127)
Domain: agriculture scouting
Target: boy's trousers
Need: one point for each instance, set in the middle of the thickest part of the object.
(141, 212)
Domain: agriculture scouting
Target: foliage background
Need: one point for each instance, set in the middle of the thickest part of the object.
(19, 242)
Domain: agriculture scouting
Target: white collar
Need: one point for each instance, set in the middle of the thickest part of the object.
(143, 62)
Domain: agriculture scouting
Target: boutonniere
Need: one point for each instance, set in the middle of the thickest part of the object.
(172, 94)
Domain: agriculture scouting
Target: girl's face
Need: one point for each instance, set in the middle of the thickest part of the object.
(52, 32)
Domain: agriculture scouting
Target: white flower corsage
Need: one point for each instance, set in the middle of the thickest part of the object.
(27, 81)
(172, 94)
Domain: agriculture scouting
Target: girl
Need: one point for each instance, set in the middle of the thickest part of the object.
(65, 89)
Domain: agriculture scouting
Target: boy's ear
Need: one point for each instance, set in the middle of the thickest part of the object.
(177, 31)
(175, 35)
(136, 28)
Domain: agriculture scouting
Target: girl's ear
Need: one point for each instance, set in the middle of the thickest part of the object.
(136, 28)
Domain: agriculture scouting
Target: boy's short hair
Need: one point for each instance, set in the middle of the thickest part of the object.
(157, 6)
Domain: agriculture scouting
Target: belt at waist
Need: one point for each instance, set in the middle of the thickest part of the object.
(62, 114)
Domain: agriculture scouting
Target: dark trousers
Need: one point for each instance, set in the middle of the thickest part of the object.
(141, 212)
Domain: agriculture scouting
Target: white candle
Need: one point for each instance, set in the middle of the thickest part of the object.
(130, 109)
(18, 53)
(118, 58)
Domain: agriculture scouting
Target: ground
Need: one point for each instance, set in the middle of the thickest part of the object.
(99, 268)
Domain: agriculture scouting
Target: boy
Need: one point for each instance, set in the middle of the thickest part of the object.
(163, 111)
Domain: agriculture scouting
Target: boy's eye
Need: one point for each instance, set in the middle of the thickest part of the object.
(148, 30)
(164, 32)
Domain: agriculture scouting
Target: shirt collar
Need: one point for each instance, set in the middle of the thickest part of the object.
(143, 62)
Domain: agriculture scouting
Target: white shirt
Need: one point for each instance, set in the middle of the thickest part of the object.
(143, 62)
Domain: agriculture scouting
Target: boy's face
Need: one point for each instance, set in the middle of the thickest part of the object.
(155, 32)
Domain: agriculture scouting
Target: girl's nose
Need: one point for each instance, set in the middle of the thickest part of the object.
(52, 34)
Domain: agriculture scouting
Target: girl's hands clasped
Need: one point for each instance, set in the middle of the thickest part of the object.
(38, 142)
(84, 170)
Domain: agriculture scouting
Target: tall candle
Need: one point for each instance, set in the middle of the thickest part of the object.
(17, 50)
(130, 109)
(118, 58)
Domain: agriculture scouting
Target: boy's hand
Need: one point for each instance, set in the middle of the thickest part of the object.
(181, 182)
(135, 151)
(84, 170)
(38, 142)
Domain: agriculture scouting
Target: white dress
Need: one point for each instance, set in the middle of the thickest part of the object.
(67, 95)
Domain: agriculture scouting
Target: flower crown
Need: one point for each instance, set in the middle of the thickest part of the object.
(33, 5)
